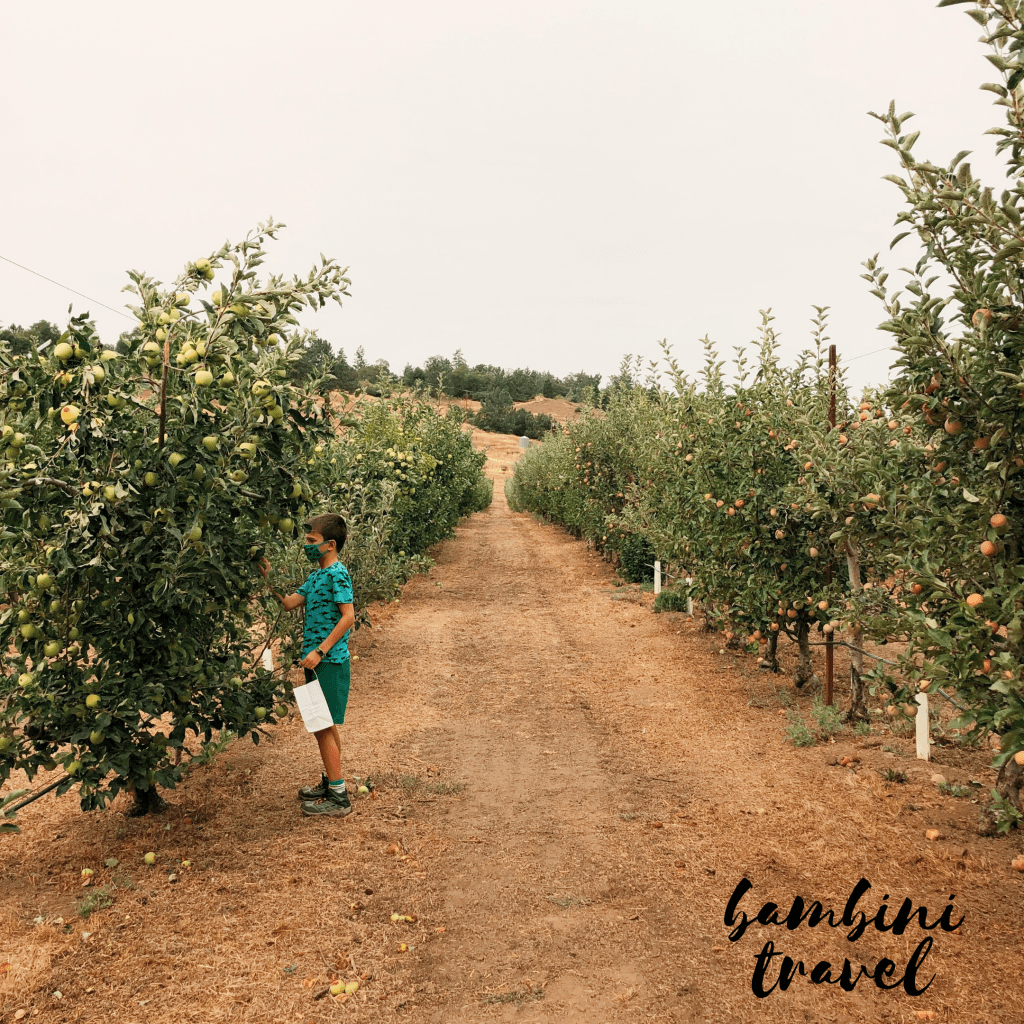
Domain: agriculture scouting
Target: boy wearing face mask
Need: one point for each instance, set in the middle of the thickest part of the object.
(327, 596)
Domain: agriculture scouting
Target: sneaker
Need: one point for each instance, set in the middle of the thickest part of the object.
(333, 804)
(317, 792)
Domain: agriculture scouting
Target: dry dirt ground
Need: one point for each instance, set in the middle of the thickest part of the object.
(570, 788)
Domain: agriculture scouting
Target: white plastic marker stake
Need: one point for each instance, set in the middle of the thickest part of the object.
(657, 577)
(923, 751)
(268, 659)
(689, 600)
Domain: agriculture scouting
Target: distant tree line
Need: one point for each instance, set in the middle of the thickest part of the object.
(461, 380)
(22, 339)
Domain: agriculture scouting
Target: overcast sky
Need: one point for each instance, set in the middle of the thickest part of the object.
(550, 184)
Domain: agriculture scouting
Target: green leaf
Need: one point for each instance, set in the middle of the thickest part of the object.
(951, 3)
(968, 496)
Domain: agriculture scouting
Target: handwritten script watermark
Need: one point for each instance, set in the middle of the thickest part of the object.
(769, 960)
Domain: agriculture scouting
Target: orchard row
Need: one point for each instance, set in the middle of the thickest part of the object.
(136, 490)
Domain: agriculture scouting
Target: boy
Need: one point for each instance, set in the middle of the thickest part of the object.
(327, 595)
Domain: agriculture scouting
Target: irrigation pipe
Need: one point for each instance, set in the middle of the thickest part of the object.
(35, 796)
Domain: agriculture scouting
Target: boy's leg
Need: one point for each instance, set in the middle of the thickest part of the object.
(330, 751)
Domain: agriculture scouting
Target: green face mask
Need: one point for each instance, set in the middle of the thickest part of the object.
(313, 552)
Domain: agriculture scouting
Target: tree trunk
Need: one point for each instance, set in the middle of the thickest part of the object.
(771, 654)
(858, 711)
(146, 801)
(1010, 784)
(804, 669)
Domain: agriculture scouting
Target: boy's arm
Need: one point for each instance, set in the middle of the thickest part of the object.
(289, 602)
(345, 623)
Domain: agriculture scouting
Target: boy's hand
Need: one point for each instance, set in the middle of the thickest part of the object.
(264, 567)
(311, 660)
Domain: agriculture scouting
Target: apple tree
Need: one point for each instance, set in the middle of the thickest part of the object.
(135, 491)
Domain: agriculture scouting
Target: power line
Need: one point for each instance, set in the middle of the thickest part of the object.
(119, 312)
(864, 355)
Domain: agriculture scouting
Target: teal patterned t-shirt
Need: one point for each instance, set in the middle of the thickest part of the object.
(324, 590)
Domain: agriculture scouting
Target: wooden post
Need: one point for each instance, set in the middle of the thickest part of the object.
(657, 577)
(829, 645)
(923, 726)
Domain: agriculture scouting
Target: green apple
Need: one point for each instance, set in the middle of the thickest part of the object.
(352, 988)
(174, 314)
(281, 710)
(150, 858)
(52, 649)
(69, 414)
(337, 988)
(108, 353)
(63, 351)
(26, 679)
(93, 700)
(246, 450)
(274, 339)
(18, 440)
(110, 492)
(29, 631)
(195, 533)
(151, 479)
(204, 379)
(202, 264)
(217, 298)
(364, 791)
(73, 633)
(238, 309)
(182, 298)
(285, 525)
(276, 413)
(238, 476)
(210, 442)
(210, 274)
(260, 713)
(152, 353)
(296, 490)
(96, 737)
(174, 458)
(87, 872)
(228, 378)
(164, 317)
(44, 581)
(74, 768)
(24, 615)
(261, 388)
(161, 334)
(199, 472)
(6, 743)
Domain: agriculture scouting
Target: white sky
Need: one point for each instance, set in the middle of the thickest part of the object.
(549, 183)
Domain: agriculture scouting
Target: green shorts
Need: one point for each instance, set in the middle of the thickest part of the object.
(334, 681)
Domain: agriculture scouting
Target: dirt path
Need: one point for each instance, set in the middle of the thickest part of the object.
(570, 789)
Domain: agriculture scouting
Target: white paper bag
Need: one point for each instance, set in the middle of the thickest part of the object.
(313, 706)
